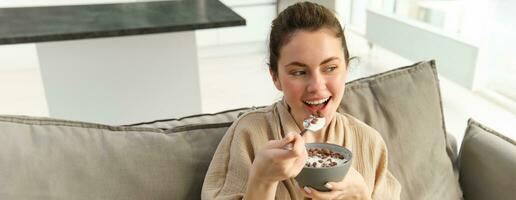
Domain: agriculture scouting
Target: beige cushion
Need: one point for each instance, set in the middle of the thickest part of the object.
(487, 163)
(43, 158)
(404, 106)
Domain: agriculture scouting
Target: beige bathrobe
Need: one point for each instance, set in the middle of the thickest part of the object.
(228, 172)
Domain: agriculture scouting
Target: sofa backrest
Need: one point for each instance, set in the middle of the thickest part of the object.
(46, 158)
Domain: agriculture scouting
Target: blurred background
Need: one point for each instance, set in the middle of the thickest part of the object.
(473, 43)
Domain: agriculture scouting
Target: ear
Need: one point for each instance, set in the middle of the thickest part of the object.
(275, 79)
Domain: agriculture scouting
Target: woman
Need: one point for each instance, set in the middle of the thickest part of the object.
(308, 63)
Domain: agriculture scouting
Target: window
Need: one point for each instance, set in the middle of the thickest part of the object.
(487, 24)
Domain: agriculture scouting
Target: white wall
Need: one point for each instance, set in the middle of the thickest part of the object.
(20, 56)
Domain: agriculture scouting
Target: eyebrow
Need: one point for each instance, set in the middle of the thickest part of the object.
(295, 63)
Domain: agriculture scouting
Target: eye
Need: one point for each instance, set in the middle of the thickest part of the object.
(330, 68)
(297, 73)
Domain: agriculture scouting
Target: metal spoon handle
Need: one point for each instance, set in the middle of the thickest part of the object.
(303, 132)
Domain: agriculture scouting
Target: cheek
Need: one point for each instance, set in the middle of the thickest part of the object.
(292, 89)
(337, 85)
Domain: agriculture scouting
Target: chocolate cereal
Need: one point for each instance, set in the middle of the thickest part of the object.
(323, 158)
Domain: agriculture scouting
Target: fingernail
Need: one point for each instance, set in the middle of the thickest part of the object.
(307, 190)
(327, 185)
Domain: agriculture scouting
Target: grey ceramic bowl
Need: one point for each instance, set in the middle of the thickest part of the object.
(316, 177)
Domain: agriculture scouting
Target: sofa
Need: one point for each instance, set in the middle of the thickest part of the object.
(45, 158)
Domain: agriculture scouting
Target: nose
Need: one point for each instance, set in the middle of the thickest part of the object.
(316, 83)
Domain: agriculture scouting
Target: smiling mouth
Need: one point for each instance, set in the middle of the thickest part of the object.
(315, 106)
(318, 102)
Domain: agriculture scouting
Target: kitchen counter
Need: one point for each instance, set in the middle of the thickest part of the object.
(56, 23)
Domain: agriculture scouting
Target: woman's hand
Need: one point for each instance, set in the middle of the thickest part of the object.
(275, 162)
(352, 187)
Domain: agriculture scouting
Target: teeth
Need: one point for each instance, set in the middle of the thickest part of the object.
(318, 101)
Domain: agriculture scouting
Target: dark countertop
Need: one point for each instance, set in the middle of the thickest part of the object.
(55, 23)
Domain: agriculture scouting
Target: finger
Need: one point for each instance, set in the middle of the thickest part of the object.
(341, 185)
(283, 154)
(299, 145)
(281, 143)
(334, 186)
(321, 195)
(299, 150)
(305, 191)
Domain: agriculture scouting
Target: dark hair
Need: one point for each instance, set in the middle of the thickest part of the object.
(301, 16)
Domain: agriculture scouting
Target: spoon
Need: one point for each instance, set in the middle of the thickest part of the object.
(313, 123)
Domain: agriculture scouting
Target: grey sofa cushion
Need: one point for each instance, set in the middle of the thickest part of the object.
(404, 106)
(487, 162)
(43, 158)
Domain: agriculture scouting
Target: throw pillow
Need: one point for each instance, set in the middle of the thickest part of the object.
(487, 163)
(404, 105)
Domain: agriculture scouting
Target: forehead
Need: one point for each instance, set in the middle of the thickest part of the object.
(311, 47)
